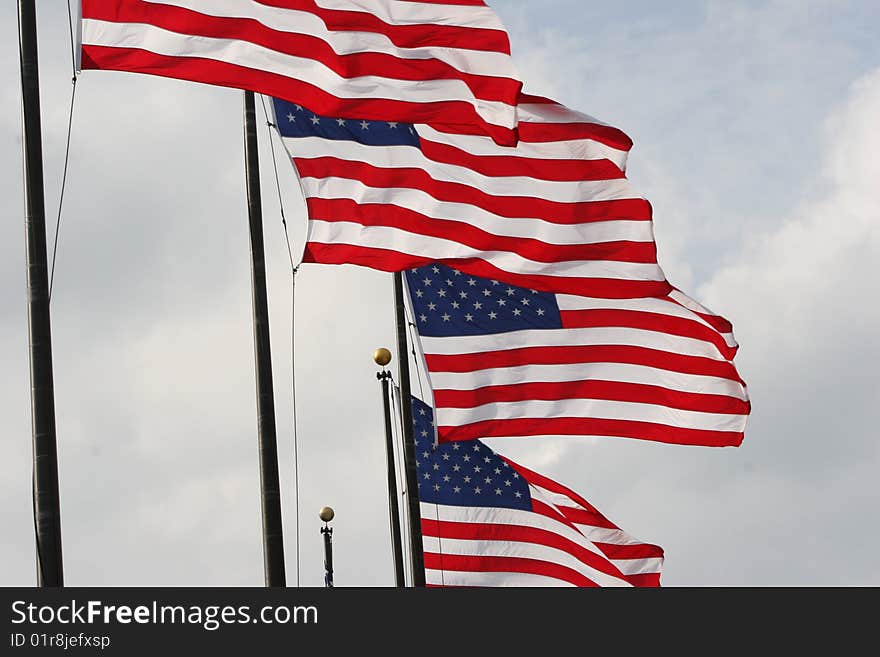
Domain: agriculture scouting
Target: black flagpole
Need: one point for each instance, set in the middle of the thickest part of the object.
(383, 357)
(270, 487)
(417, 556)
(47, 507)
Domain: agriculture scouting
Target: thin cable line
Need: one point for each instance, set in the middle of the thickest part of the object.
(63, 187)
(416, 360)
(294, 270)
(66, 148)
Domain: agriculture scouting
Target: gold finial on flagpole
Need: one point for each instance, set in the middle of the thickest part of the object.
(382, 356)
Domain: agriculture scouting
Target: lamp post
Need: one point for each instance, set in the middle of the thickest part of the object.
(326, 514)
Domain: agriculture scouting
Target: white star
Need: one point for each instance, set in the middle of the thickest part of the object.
(433, 306)
(517, 312)
(478, 305)
(425, 455)
(341, 122)
(299, 108)
(493, 315)
(315, 120)
(507, 482)
(471, 282)
(456, 272)
(495, 283)
(419, 294)
(365, 125)
(463, 294)
(510, 292)
(457, 489)
(427, 282)
(525, 302)
(466, 458)
(488, 480)
(487, 293)
(449, 282)
(392, 124)
(446, 478)
(518, 494)
(477, 490)
(498, 491)
(486, 459)
(502, 302)
(445, 317)
(477, 468)
(441, 292)
(455, 304)
(540, 312)
(467, 480)
(427, 475)
(421, 411)
(468, 318)
(456, 467)
(445, 456)
(436, 466)
(533, 291)
(476, 448)
(424, 318)
(424, 434)
(290, 117)
(515, 475)
(455, 446)
(436, 269)
(497, 470)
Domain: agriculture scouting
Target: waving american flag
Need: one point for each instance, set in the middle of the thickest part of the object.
(555, 213)
(487, 521)
(506, 361)
(399, 60)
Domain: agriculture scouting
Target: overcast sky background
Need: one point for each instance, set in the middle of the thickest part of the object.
(756, 137)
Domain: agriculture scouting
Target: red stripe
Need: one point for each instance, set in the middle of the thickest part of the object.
(393, 216)
(471, 531)
(570, 355)
(593, 389)
(387, 260)
(185, 21)
(557, 212)
(508, 165)
(648, 321)
(403, 36)
(644, 580)
(632, 551)
(450, 562)
(239, 77)
(580, 426)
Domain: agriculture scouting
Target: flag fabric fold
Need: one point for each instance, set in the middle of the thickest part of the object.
(394, 60)
(505, 361)
(487, 521)
(555, 213)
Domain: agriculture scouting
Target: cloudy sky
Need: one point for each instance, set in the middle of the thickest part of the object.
(755, 130)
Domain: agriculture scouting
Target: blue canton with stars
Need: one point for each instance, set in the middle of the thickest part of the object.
(447, 303)
(296, 121)
(464, 473)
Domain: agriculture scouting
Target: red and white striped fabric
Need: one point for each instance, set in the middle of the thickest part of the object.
(443, 61)
(641, 563)
(554, 213)
(487, 521)
(510, 362)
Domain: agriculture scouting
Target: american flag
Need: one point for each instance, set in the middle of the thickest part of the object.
(555, 213)
(487, 521)
(506, 361)
(412, 60)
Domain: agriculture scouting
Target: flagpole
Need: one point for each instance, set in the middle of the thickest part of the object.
(47, 507)
(270, 487)
(417, 557)
(382, 357)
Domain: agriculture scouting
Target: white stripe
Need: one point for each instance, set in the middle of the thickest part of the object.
(293, 21)
(554, 113)
(591, 408)
(594, 336)
(435, 248)
(410, 157)
(648, 566)
(476, 579)
(518, 549)
(243, 53)
(579, 149)
(618, 372)
(605, 535)
(419, 13)
(424, 203)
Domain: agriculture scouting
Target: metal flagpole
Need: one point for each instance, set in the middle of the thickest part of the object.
(47, 508)
(270, 487)
(417, 557)
(382, 358)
